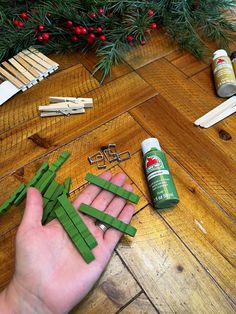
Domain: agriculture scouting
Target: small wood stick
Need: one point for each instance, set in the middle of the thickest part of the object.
(12, 79)
(229, 103)
(38, 59)
(29, 67)
(16, 73)
(21, 69)
(37, 66)
(42, 56)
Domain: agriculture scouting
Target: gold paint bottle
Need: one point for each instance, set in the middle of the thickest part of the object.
(225, 81)
(233, 60)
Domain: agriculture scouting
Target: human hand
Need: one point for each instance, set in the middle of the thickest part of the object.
(50, 274)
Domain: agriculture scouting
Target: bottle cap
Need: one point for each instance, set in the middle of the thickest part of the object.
(219, 53)
(150, 143)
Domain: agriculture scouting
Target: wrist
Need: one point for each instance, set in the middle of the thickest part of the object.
(15, 299)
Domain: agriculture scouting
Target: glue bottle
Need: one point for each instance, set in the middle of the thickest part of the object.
(225, 81)
(160, 181)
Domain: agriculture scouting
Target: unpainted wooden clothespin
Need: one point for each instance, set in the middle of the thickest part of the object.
(60, 109)
(87, 102)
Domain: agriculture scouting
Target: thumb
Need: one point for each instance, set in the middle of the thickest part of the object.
(33, 210)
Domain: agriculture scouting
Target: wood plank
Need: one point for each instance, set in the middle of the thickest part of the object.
(205, 80)
(114, 289)
(191, 101)
(198, 222)
(123, 131)
(159, 45)
(211, 168)
(65, 60)
(89, 60)
(140, 305)
(22, 108)
(170, 275)
(189, 64)
(40, 135)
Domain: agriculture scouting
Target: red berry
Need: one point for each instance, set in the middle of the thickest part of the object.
(45, 36)
(24, 15)
(16, 23)
(150, 12)
(20, 24)
(142, 42)
(99, 30)
(100, 10)
(92, 15)
(77, 30)
(153, 26)
(69, 23)
(84, 30)
(90, 40)
(74, 38)
(110, 14)
(91, 29)
(41, 27)
(40, 38)
(102, 37)
(92, 36)
(130, 38)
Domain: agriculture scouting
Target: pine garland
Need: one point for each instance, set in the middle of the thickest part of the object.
(111, 27)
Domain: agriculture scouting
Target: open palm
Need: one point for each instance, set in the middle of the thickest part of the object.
(48, 266)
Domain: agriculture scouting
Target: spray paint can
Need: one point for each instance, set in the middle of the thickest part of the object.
(225, 81)
(160, 182)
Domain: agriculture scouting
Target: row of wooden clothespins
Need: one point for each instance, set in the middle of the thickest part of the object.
(23, 71)
(219, 113)
(60, 106)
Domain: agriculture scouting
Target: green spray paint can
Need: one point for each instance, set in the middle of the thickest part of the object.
(161, 184)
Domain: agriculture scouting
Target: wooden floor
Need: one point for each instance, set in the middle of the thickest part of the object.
(182, 260)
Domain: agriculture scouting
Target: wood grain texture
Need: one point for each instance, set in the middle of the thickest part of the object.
(140, 305)
(188, 64)
(115, 288)
(41, 135)
(169, 274)
(89, 60)
(65, 60)
(209, 165)
(190, 101)
(207, 232)
(159, 45)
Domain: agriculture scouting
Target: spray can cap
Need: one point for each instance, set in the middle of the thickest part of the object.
(150, 143)
(219, 53)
